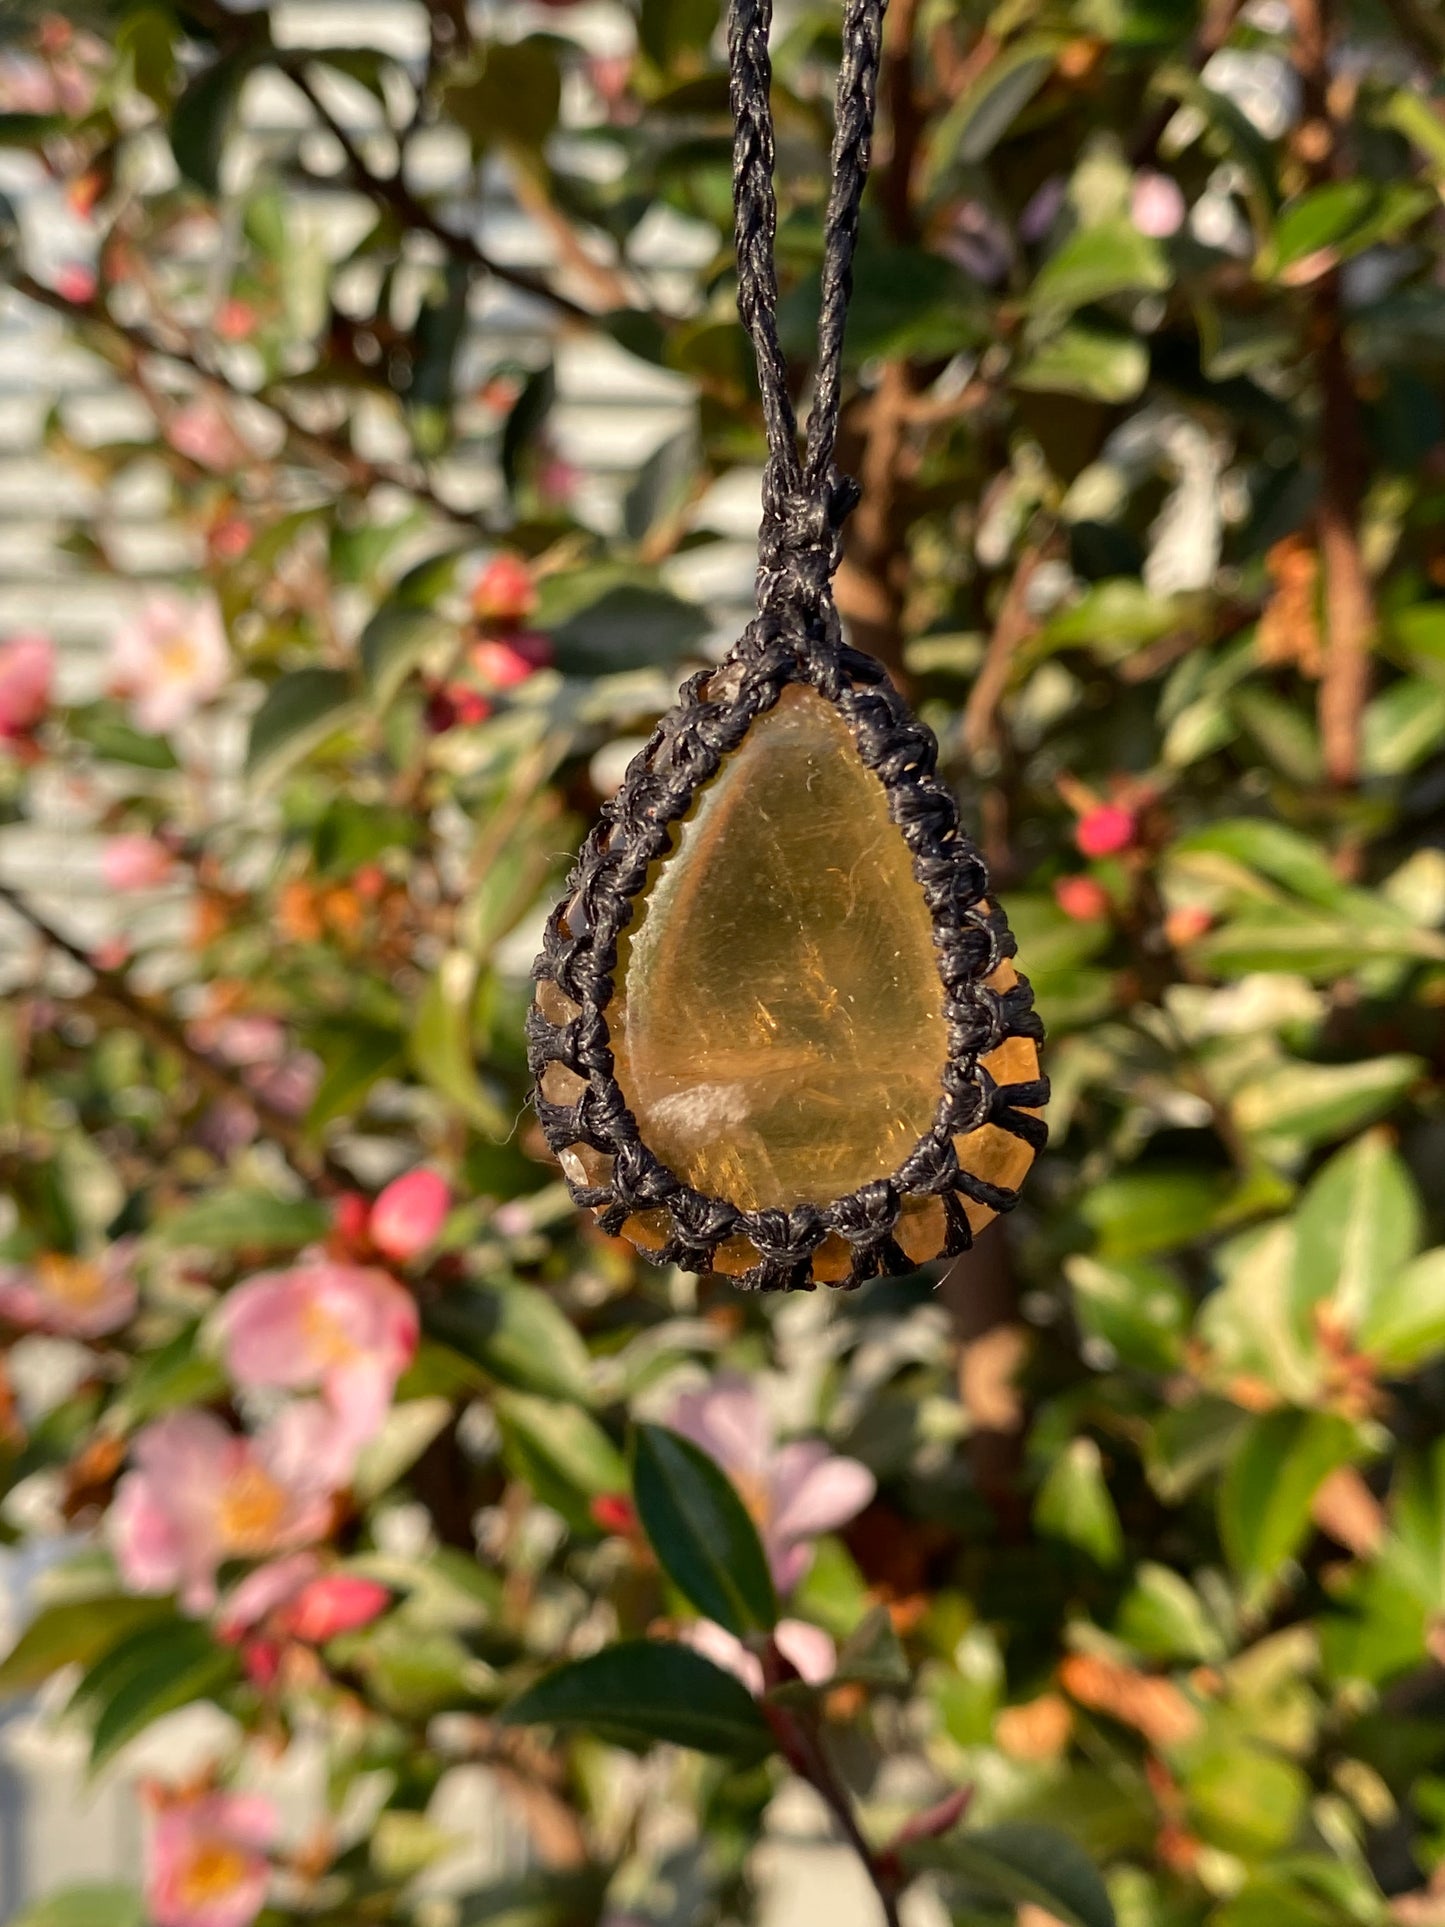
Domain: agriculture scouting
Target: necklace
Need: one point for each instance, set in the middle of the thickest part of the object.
(778, 1032)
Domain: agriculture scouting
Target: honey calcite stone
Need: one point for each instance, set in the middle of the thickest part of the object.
(777, 1022)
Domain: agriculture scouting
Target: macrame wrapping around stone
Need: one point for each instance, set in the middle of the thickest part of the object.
(586, 1118)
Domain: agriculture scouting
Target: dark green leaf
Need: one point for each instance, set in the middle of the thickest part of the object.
(153, 1672)
(701, 1532)
(300, 711)
(517, 1335)
(1025, 1865)
(1269, 1485)
(245, 1218)
(643, 1692)
(74, 1633)
(200, 121)
(396, 640)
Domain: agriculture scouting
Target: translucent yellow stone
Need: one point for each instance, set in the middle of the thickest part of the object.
(833, 1260)
(562, 1086)
(778, 1022)
(554, 1003)
(585, 1165)
(734, 1256)
(648, 1230)
(922, 1228)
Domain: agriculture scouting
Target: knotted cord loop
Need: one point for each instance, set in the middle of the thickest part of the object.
(805, 500)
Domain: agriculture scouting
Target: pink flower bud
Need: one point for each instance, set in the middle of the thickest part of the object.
(338, 1603)
(408, 1215)
(135, 863)
(75, 283)
(505, 592)
(27, 673)
(504, 661)
(1082, 898)
(1104, 830)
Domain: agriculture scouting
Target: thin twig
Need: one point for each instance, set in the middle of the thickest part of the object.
(362, 474)
(1349, 604)
(390, 192)
(1012, 627)
(159, 1027)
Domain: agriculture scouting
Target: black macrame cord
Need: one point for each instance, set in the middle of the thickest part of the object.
(795, 637)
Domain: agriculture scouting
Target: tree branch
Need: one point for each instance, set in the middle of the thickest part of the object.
(159, 1028)
(1012, 627)
(362, 474)
(390, 192)
(1349, 604)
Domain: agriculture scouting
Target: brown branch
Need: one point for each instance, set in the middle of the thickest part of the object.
(156, 1024)
(362, 474)
(1012, 628)
(1349, 602)
(391, 193)
(896, 89)
(872, 582)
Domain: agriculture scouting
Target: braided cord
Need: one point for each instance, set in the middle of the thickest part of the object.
(799, 493)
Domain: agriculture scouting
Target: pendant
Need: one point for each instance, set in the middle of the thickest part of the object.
(778, 1032)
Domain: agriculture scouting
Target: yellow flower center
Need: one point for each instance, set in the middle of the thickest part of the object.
(326, 1336)
(213, 1870)
(251, 1508)
(178, 656)
(76, 1282)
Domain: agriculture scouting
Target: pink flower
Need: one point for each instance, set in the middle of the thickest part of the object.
(169, 659)
(76, 283)
(1082, 898)
(1156, 205)
(505, 592)
(794, 1492)
(202, 432)
(807, 1648)
(206, 1865)
(71, 1297)
(295, 1598)
(408, 1214)
(198, 1495)
(27, 674)
(135, 863)
(1104, 830)
(504, 661)
(347, 1330)
(236, 320)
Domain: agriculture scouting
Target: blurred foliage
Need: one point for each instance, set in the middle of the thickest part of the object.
(1145, 374)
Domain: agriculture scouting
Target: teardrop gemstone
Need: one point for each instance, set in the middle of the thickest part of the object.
(777, 1022)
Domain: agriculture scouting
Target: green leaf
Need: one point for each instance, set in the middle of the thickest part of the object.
(396, 640)
(1404, 1325)
(1095, 263)
(115, 741)
(1164, 1619)
(442, 1045)
(1024, 1865)
(677, 30)
(1074, 1505)
(1245, 1800)
(1090, 359)
(1269, 1485)
(630, 625)
(88, 1906)
(1341, 219)
(662, 484)
(1139, 1310)
(200, 121)
(1143, 1211)
(301, 710)
(701, 1532)
(75, 1632)
(644, 1691)
(983, 115)
(155, 1670)
(565, 1456)
(1357, 1227)
(355, 1058)
(872, 1654)
(516, 97)
(244, 1219)
(517, 1335)
(409, 1429)
(177, 1374)
(1277, 852)
(1316, 1102)
(1402, 726)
